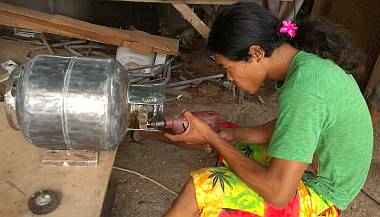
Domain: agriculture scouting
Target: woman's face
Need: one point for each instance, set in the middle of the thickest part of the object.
(247, 75)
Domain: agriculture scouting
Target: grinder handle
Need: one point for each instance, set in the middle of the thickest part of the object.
(179, 124)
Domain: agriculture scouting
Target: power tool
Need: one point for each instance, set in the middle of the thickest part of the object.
(178, 123)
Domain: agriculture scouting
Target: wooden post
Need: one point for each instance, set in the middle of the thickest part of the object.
(190, 16)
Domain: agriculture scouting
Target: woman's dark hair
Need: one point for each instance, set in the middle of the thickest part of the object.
(241, 25)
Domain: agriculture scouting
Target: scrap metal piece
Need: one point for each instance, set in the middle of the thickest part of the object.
(241, 95)
(60, 44)
(9, 66)
(25, 33)
(44, 202)
(236, 91)
(261, 100)
(73, 52)
(100, 54)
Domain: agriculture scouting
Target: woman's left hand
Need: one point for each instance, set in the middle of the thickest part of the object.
(198, 132)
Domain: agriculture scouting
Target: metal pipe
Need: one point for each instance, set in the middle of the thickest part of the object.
(167, 70)
(153, 67)
(73, 52)
(92, 46)
(46, 43)
(166, 73)
(182, 87)
(167, 77)
(60, 44)
(142, 76)
(98, 53)
(67, 43)
(194, 80)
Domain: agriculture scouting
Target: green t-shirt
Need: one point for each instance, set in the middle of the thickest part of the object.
(322, 112)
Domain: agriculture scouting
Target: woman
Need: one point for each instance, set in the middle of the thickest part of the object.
(322, 118)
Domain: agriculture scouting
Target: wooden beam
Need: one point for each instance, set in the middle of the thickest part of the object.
(135, 40)
(192, 17)
(205, 2)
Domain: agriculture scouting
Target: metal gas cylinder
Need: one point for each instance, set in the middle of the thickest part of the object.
(69, 102)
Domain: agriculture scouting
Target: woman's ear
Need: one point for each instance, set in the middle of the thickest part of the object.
(256, 53)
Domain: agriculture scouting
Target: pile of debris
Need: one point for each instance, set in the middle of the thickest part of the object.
(153, 69)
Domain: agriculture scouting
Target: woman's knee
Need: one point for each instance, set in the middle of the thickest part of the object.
(189, 191)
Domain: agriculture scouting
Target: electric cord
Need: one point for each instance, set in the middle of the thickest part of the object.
(145, 177)
(176, 194)
(370, 197)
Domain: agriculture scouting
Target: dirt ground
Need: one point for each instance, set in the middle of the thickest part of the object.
(171, 165)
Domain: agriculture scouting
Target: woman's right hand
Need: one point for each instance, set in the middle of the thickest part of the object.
(229, 135)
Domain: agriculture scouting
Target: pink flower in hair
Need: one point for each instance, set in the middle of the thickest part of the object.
(289, 28)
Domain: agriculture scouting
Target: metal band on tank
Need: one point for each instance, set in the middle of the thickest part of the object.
(63, 107)
(108, 113)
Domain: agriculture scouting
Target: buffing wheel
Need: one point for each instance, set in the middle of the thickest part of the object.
(44, 202)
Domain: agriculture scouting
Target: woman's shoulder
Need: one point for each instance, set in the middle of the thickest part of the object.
(312, 73)
(312, 62)
(309, 67)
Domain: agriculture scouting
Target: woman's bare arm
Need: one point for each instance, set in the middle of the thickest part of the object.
(253, 135)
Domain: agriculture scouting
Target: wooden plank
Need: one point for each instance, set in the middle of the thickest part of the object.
(206, 2)
(21, 174)
(192, 17)
(135, 40)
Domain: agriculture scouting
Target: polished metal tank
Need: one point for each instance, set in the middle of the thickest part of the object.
(69, 102)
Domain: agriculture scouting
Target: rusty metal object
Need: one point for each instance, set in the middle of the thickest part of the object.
(44, 202)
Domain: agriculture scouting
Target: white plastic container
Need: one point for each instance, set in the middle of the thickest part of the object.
(160, 58)
(131, 59)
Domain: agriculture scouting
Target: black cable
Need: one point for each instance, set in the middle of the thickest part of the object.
(370, 197)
